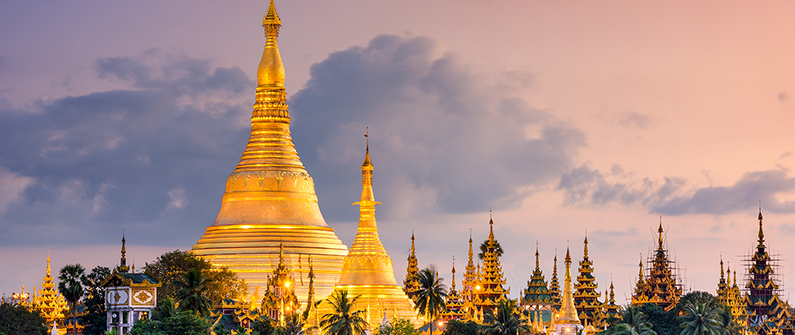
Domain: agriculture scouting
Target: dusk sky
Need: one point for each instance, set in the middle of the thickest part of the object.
(564, 117)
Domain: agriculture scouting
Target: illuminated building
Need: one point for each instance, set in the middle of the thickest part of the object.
(48, 301)
(586, 298)
(660, 287)
(567, 322)
(270, 197)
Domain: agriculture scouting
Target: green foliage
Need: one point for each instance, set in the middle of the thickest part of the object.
(726, 322)
(701, 318)
(71, 286)
(431, 295)
(184, 323)
(662, 322)
(455, 327)
(343, 320)
(166, 308)
(506, 321)
(294, 324)
(484, 247)
(220, 330)
(397, 327)
(263, 326)
(95, 319)
(170, 267)
(633, 322)
(694, 297)
(18, 320)
(191, 293)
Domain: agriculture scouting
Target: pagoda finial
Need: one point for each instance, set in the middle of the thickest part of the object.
(721, 268)
(660, 235)
(281, 245)
(761, 233)
(640, 264)
(585, 249)
(453, 271)
(537, 264)
(491, 226)
(123, 268)
(412, 242)
(735, 278)
(271, 70)
(49, 272)
(567, 310)
(367, 202)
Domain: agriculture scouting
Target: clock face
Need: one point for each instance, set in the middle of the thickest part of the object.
(116, 297)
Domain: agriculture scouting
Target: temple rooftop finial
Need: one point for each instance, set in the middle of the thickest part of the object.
(271, 71)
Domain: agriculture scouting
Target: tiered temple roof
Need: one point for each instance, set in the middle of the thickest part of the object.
(469, 283)
(730, 296)
(48, 301)
(536, 294)
(586, 298)
(411, 286)
(491, 276)
(660, 287)
(454, 302)
(611, 308)
(554, 287)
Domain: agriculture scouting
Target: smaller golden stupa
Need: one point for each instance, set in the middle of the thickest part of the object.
(567, 322)
(367, 269)
(49, 302)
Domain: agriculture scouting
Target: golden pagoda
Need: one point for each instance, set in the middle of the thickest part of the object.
(536, 298)
(367, 269)
(490, 291)
(611, 308)
(279, 299)
(270, 197)
(454, 302)
(567, 322)
(730, 296)
(586, 298)
(660, 287)
(469, 283)
(411, 284)
(639, 298)
(48, 301)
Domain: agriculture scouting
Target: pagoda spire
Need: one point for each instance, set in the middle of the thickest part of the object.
(660, 235)
(367, 269)
(554, 286)
(568, 314)
(761, 234)
(123, 268)
(491, 227)
(411, 284)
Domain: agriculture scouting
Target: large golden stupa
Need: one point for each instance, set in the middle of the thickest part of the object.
(270, 197)
(367, 270)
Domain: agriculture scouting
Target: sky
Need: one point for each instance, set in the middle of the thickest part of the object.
(565, 118)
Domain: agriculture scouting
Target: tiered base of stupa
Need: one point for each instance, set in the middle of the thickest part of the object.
(252, 252)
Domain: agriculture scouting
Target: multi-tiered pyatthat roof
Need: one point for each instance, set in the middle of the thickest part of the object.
(367, 269)
(469, 283)
(729, 295)
(490, 291)
(768, 313)
(660, 287)
(48, 301)
(411, 284)
(586, 298)
(270, 197)
(536, 298)
(554, 286)
(454, 302)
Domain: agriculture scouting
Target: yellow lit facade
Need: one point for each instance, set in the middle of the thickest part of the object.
(270, 197)
(367, 269)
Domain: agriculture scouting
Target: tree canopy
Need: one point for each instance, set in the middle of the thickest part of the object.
(170, 267)
(18, 320)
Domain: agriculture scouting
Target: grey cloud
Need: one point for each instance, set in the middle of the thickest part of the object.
(783, 96)
(442, 138)
(584, 186)
(634, 119)
(744, 194)
(150, 158)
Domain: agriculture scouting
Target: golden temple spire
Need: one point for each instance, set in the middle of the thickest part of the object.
(761, 233)
(660, 235)
(491, 227)
(721, 269)
(368, 198)
(271, 70)
(281, 246)
(537, 263)
(568, 314)
(452, 287)
(585, 249)
(640, 265)
(123, 268)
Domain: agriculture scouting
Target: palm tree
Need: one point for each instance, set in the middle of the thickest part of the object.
(166, 308)
(636, 319)
(485, 246)
(343, 320)
(430, 297)
(726, 323)
(700, 319)
(191, 293)
(294, 324)
(71, 287)
(506, 321)
(628, 329)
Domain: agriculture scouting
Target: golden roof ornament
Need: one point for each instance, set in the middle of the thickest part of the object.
(270, 197)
